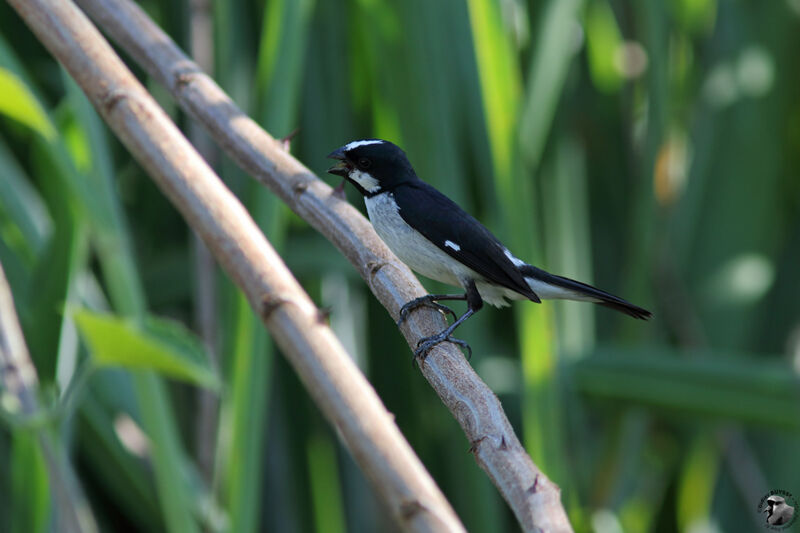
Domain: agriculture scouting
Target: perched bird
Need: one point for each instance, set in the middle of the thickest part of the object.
(436, 238)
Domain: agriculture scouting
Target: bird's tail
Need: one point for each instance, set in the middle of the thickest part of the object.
(548, 285)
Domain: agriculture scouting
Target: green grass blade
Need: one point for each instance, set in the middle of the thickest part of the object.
(603, 40)
(167, 454)
(23, 206)
(705, 385)
(501, 87)
(566, 209)
(31, 485)
(242, 420)
(110, 233)
(58, 265)
(325, 495)
(552, 56)
(281, 59)
(642, 234)
(280, 65)
(120, 472)
(697, 482)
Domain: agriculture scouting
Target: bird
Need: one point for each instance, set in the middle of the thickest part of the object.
(435, 237)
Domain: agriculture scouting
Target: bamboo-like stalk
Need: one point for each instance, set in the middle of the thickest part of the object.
(333, 380)
(534, 499)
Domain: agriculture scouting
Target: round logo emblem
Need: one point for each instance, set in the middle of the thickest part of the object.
(778, 509)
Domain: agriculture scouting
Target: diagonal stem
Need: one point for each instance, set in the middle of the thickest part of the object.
(534, 499)
(329, 374)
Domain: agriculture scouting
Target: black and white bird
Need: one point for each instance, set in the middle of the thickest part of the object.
(436, 238)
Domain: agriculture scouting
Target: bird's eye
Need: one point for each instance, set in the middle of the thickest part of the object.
(363, 162)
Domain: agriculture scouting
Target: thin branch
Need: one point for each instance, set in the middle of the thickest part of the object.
(534, 499)
(335, 383)
(18, 385)
(18, 381)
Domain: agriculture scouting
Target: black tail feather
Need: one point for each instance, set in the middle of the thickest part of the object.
(604, 298)
(628, 308)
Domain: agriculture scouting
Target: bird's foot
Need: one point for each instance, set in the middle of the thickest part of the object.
(426, 344)
(423, 301)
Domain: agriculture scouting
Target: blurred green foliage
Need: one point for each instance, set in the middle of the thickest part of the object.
(650, 148)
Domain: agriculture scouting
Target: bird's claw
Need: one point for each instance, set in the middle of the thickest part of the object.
(423, 302)
(426, 344)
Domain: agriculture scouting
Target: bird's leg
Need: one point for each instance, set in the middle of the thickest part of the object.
(429, 300)
(475, 302)
(425, 345)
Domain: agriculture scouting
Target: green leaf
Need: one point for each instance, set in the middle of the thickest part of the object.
(160, 345)
(603, 40)
(19, 104)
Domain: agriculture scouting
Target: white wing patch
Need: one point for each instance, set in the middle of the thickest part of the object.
(517, 262)
(365, 142)
(451, 244)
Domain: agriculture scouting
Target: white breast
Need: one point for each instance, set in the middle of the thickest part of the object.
(424, 257)
(413, 249)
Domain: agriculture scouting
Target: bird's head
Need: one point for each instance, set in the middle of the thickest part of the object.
(372, 165)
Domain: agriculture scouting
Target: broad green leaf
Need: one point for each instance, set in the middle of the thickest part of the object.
(159, 345)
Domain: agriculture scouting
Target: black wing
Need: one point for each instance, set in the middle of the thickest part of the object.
(440, 219)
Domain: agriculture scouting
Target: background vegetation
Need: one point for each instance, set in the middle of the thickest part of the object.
(648, 147)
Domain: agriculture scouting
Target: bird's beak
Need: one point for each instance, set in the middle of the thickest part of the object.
(342, 167)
